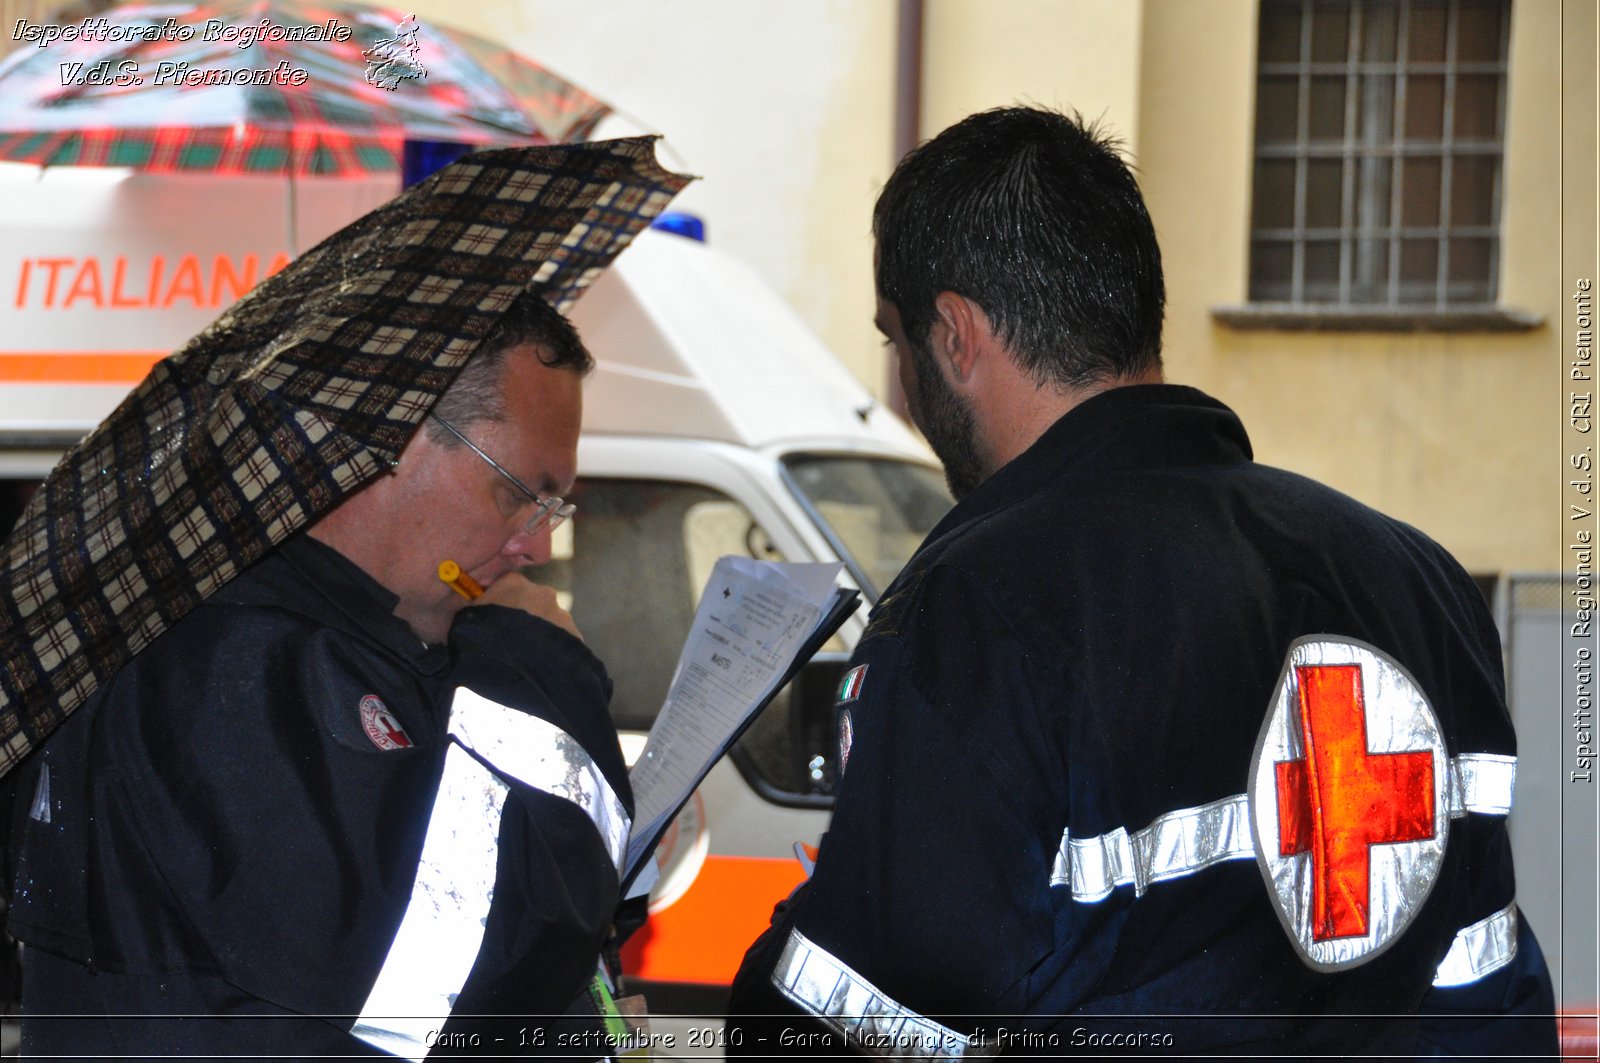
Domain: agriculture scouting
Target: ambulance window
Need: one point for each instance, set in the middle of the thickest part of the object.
(790, 753)
(876, 511)
(630, 566)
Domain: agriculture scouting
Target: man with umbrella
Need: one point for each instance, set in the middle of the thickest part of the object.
(331, 809)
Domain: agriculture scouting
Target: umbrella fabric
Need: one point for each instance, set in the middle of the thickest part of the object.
(304, 390)
(336, 121)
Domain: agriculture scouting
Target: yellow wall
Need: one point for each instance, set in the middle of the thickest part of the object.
(1454, 432)
(1069, 54)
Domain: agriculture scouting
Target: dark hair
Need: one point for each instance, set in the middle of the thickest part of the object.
(1036, 218)
(475, 393)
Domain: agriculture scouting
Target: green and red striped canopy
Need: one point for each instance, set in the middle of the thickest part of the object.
(160, 88)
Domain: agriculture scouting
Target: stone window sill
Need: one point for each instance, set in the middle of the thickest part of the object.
(1325, 318)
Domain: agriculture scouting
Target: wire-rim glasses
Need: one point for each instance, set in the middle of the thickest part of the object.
(549, 511)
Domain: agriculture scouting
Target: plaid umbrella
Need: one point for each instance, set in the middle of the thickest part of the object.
(270, 86)
(304, 390)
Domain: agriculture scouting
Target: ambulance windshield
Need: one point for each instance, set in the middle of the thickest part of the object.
(876, 511)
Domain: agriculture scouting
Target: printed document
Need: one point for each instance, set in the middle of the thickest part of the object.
(757, 623)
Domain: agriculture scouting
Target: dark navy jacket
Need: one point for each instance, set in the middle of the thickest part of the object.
(1088, 642)
(231, 826)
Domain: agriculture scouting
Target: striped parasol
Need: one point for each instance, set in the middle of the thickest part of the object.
(270, 86)
(298, 395)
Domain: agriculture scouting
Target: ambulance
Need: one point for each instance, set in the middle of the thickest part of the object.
(715, 423)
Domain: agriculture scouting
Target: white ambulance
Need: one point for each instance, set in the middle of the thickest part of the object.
(715, 423)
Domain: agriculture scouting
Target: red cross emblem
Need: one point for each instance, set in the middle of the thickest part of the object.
(1347, 796)
(1340, 801)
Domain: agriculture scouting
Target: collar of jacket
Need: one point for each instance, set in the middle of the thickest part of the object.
(1128, 427)
(317, 581)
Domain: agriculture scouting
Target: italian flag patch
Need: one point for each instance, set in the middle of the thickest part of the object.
(850, 685)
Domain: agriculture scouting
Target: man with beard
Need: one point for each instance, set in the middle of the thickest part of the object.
(1148, 747)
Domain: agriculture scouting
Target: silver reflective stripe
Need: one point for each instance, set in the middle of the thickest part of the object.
(1093, 867)
(546, 758)
(1480, 949)
(855, 1008)
(40, 811)
(437, 942)
(1192, 839)
(1178, 843)
(1481, 782)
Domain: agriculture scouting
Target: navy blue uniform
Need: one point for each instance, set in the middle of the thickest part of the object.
(1046, 808)
(232, 826)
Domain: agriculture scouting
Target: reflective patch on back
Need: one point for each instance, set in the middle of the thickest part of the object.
(1349, 794)
(438, 940)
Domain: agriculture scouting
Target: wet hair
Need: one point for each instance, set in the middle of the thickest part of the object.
(475, 394)
(1037, 218)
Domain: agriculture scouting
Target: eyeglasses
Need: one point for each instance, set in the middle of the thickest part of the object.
(549, 511)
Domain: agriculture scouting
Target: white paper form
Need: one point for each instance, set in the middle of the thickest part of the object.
(753, 620)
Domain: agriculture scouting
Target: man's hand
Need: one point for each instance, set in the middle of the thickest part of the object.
(519, 592)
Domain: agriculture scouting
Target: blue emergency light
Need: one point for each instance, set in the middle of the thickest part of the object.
(682, 224)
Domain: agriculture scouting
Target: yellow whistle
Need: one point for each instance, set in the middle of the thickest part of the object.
(464, 584)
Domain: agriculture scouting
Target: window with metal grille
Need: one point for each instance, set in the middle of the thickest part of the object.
(1379, 133)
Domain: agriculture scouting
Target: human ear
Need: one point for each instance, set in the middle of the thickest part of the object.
(959, 334)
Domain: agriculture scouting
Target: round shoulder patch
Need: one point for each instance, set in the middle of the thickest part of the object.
(381, 726)
(1348, 800)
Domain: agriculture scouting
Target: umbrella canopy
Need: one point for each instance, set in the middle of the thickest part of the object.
(270, 86)
(304, 390)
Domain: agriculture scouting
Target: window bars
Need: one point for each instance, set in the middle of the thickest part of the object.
(1379, 142)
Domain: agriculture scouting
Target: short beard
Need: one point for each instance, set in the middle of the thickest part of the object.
(947, 421)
